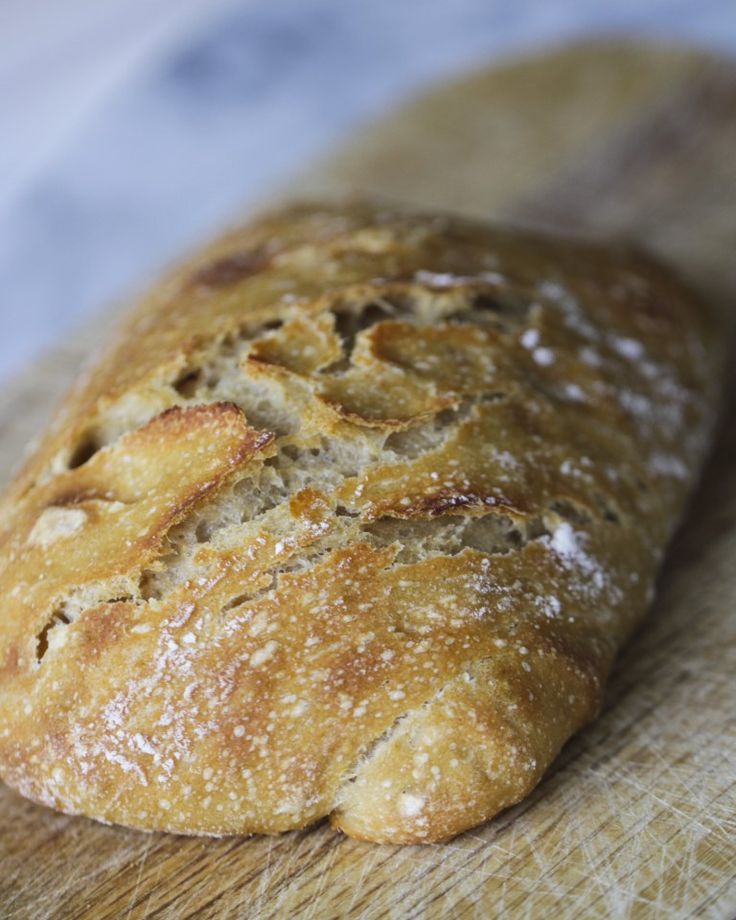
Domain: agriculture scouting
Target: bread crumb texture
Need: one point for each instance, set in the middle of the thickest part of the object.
(350, 521)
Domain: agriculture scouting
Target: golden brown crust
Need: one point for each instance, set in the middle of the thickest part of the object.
(350, 521)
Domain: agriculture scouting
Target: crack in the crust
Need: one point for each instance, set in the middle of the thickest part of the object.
(370, 750)
(354, 319)
(67, 612)
(385, 738)
(87, 447)
(493, 533)
(253, 597)
(266, 494)
(410, 443)
(58, 617)
(188, 385)
(196, 383)
(305, 564)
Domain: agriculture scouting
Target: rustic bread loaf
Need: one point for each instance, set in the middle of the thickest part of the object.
(350, 521)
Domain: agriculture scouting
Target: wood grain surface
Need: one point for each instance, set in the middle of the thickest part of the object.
(638, 816)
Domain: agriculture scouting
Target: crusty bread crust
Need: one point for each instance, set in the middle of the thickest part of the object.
(350, 521)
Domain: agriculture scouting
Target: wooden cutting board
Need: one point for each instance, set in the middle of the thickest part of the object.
(637, 817)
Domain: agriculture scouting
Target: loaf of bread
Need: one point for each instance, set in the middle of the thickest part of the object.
(350, 521)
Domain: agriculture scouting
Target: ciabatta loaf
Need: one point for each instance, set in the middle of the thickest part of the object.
(350, 521)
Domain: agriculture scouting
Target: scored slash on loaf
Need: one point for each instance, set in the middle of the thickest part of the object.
(350, 520)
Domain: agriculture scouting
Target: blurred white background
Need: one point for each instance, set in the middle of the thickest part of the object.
(129, 129)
